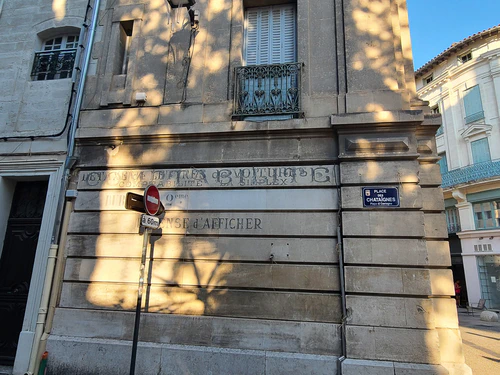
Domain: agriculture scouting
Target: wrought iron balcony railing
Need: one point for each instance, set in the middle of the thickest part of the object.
(53, 65)
(453, 228)
(263, 90)
(471, 173)
(474, 117)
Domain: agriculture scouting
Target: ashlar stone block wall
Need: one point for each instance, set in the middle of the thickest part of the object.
(243, 275)
(29, 107)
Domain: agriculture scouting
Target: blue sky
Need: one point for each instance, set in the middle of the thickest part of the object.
(436, 24)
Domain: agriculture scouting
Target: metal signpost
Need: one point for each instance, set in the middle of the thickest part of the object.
(149, 203)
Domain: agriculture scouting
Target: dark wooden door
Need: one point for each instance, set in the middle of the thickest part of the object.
(16, 262)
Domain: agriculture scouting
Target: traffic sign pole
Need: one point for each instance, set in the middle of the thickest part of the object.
(147, 235)
(150, 204)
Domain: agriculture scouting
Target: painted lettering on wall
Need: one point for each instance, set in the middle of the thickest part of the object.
(208, 177)
(201, 223)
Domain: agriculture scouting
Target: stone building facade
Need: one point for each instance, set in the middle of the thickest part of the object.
(267, 126)
(463, 84)
(39, 51)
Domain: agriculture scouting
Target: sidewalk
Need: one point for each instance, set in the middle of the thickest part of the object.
(481, 343)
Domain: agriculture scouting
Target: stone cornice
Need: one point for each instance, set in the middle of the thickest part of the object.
(384, 120)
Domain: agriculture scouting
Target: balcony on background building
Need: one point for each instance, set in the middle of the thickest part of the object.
(474, 117)
(453, 228)
(267, 90)
(53, 65)
(471, 173)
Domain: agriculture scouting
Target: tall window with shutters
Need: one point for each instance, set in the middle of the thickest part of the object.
(269, 82)
(480, 151)
(270, 35)
(443, 163)
(473, 105)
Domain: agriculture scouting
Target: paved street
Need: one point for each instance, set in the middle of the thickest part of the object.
(481, 343)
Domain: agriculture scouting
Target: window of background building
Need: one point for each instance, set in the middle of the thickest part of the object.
(489, 277)
(487, 214)
(480, 151)
(473, 105)
(56, 59)
(453, 220)
(443, 163)
(428, 79)
(466, 57)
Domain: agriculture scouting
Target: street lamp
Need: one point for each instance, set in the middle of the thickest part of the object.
(181, 3)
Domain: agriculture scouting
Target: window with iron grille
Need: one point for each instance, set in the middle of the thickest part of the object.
(453, 220)
(56, 59)
(269, 83)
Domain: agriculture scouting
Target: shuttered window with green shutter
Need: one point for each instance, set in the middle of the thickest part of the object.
(473, 105)
(480, 151)
(443, 164)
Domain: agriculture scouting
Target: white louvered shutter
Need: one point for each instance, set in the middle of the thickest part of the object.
(289, 35)
(270, 35)
(251, 36)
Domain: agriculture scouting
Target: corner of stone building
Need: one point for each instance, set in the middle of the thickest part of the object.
(396, 148)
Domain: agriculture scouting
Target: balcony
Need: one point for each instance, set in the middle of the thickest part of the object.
(453, 228)
(267, 90)
(471, 173)
(53, 65)
(474, 117)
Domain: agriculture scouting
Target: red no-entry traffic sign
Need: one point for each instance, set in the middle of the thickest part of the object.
(152, 201)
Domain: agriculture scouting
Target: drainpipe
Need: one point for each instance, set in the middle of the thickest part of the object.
(70, 159)
(47, 309)
(51, 287)
(42, 312)
(340, 252)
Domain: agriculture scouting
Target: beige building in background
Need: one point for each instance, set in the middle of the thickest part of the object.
(304, 227)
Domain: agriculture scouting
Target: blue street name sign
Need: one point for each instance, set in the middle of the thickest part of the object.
(380, 197)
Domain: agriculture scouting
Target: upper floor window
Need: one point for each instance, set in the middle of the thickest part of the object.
(465, 57)
(123, 53)
(487, 214)
(269, 84)
(428, 79)
(270, 35)
(443, 163)
(56, 59)
(473, 105)
(480, 151)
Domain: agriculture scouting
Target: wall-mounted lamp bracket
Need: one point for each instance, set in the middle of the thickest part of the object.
(181, 3)
(194, 17)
